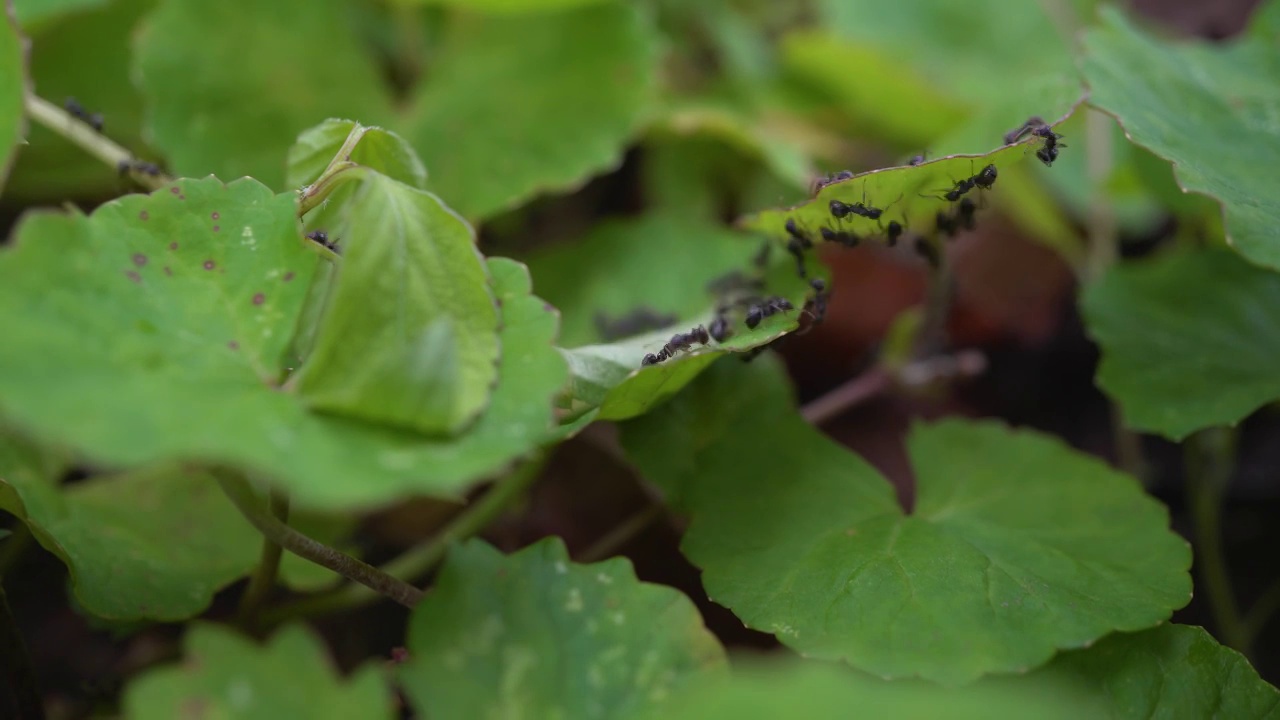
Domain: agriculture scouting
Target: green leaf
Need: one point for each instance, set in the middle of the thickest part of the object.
(910, 195)
(31, 13)
(154, 544)
(534, 635)
(13, 85)
(51, 167)
(378, 149)
(809, 689)
(226, 676)
(1017, 546)
(113, 366)
(232, 84)
(1176, 360)
(497, 7)
(1167, 672)
(1207, 108)
(410, 334)
(516, 106)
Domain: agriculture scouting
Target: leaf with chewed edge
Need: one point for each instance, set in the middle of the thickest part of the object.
(1208, 108)
(141, 333)
(231, 84)
(518, 105)
(1188, 339)
(533, 634)
(1017, 545)
(224, 675)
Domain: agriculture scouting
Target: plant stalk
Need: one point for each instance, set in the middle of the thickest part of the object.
(377, 581)
(1210, 462)
(19, 697)
(91, 141)
(622, 534)
(418, 561)
(263, 579)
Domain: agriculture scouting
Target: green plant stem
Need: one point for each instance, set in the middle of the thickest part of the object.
(1210, 460)
(377, 581)
(620, 535)
(932, 337)
(263, 579)
(420, 560)
(20, 694)
(91, 141)
(1262, 611)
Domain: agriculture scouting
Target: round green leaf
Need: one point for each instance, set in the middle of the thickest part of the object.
(13, 84)
(1017, 546)
(1172, 671)
(378, 149)
(155, 544)
(1207, 108)
(226, 676)
(410, 333)
(534, 635)
(126, 340)
(1187, 341)
(515, 106)
(231, 84)
(810, 689)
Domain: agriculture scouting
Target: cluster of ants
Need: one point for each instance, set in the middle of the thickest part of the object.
(96, 122)
(799, 240)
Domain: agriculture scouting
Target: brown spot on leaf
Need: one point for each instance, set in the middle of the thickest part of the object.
(259, 298)
(209, 264)
(139, 259)
(288, 276)
(144, 215)
(214, 215)
(173, 246)
(233, 345)
(174, 190)
(182, 197)
(135, 277)
(167, 271)
(216, 228)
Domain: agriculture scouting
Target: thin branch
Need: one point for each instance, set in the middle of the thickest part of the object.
(879, 379)
(418, 561)
(20, 693)
(1210, 461)
(1262, 611)
(622, 534)
(263, 580)
(932, 337)
(379, 582)
(91, 141)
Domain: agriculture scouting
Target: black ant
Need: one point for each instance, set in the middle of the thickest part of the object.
(633, 323)
(322, 238)
(926, 250)
(678, 342)
(720, 329)
(144, 168)
(986, 177)
(771, 306)
(947, 224)
(798, 243)
(894, 232)
(841, 210)
(654, 359)
(830, 179)
(1019, 132)
(964, 215)
(1049, 151)
(844, 237)
(816, 306)
(916, 160)
(93, 120)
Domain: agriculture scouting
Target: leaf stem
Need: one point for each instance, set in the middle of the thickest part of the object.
(1262, 611)
(1210, 461)
(263, 579)
(932, 337)
(91, 141)
(19, 695)
(311, 196)
(621, 534)
(420, 560)
(377, 581)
